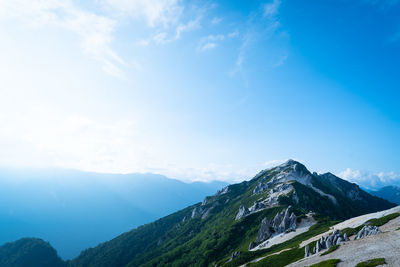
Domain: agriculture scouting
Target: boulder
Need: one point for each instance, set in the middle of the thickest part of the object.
(367, 231)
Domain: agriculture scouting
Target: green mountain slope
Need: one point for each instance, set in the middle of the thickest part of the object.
(30, 252)
(390, 193)
(210, 232)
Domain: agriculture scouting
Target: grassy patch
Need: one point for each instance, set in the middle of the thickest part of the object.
(327, 263)
(383, 220)
(372, 263)
(331, 249)
(281, 259)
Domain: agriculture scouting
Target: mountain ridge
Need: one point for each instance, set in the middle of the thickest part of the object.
(207, 232)
(228, 228)
(390, 193)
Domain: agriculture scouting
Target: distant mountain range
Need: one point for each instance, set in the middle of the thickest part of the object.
(234, 226)
(74, 210)
(390, 193)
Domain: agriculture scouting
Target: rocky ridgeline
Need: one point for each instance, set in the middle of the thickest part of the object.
(270, 201)
(367, 231)
(208, 204)
(335, 238)
(283, 222)
(257, 206)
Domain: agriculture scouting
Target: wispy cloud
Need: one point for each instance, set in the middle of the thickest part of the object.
(216, 20)
(154, 12)
(208, 46)
(166, 35)
(271, 9)
(262, 25)
(211, 41)
(370, 180)
(96, 27)
(95, 31)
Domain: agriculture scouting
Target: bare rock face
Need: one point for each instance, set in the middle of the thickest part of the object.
(306, 251)
(260, 188)
(264, 233)
(197, 212)
(367, 231)
(203, 211)
(242, 212)
(257, 206)
(284, 221)
(206, 213)
(318, 246)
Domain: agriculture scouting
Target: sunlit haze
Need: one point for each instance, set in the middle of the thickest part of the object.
(201, 90)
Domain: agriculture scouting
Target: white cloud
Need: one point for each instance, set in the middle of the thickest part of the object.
(95, 31)
(191, 25)
(208, 46)
(210, 172)
(211, 41)
(154, 12)
(160, 38)
(96, 28)
(233, 34)
(370, 180)
(164, 36)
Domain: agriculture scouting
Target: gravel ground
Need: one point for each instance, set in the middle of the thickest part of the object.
(385, 245)
(353, 222)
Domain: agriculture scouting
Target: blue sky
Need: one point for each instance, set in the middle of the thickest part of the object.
(201, 90)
